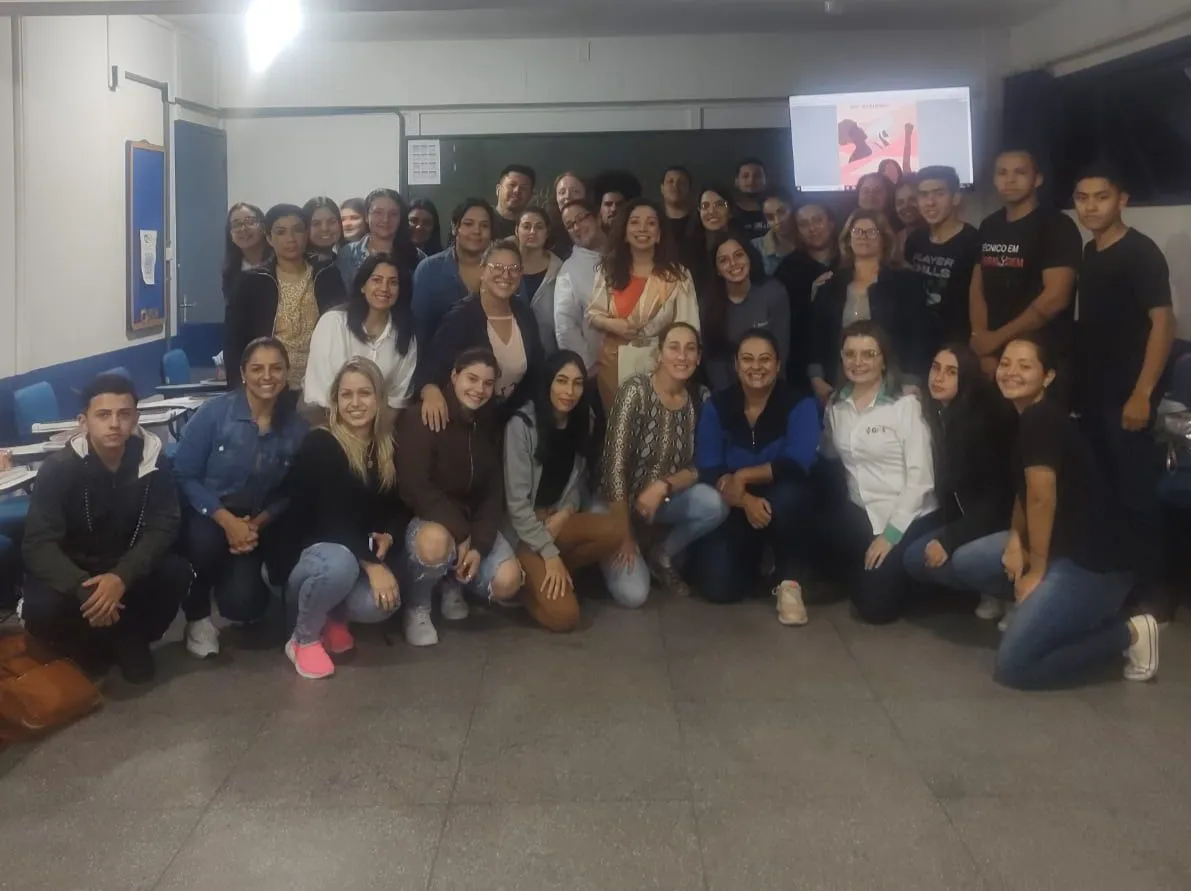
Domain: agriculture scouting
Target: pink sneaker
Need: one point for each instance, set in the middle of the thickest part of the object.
(311, 660)
(337, 638)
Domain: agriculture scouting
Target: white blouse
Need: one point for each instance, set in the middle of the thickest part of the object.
(333, 344)
(886, 453)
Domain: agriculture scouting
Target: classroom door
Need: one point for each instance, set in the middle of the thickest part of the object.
(200, 177)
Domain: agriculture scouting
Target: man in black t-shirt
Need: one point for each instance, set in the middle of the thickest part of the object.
(1124, 335)
(751, 184)
(676, 200)
(1025, 280)
(944, 253)
(514, 190)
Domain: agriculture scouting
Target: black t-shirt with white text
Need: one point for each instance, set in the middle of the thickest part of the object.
(1013, 256)
(1085, 528)
(749, 222)
(947, 269)
(1118, 287)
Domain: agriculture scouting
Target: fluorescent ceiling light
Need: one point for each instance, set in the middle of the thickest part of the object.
(270, 25)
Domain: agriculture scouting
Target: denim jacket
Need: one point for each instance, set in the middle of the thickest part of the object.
(222, 453)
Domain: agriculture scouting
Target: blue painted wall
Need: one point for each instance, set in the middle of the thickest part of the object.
(143, 361)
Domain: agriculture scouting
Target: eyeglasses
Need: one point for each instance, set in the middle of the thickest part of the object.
(860, 355)
(716, 205)
(574, 224)
(244, 225)
(509, 270)
(865, 234)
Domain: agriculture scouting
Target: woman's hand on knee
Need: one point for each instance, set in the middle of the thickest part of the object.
(558, 581)
(384, 586)
(936, 554)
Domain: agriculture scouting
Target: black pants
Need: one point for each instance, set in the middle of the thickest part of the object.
(879, 595)
(1132, 463)
(233, 579)
(150, 604)
(727, 561)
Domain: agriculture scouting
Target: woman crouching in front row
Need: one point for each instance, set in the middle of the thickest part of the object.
(453, 482)
(347, 522)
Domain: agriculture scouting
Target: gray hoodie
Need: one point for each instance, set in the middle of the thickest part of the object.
(523, 474)
(572, 295)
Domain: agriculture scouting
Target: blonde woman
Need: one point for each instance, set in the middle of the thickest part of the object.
(640, 289)
(868, 287)
(348, 521)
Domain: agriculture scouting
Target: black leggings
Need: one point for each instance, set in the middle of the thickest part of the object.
(879, 595)
(234, 579)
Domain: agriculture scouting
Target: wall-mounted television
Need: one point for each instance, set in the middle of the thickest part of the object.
(839, 137)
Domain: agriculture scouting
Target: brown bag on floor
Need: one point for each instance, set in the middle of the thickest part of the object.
(38, 691)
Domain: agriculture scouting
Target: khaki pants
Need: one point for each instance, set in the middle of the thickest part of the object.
(584, 539)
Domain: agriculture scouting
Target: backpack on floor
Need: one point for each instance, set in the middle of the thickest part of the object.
(38, 691)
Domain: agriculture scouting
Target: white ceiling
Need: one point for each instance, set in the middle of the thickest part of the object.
(464, 19)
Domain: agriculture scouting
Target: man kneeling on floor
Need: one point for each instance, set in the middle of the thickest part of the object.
(101, 582)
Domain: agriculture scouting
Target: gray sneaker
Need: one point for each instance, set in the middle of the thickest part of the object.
(419, 630)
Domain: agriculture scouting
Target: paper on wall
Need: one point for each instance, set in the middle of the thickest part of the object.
(425, 162)
(149, 256)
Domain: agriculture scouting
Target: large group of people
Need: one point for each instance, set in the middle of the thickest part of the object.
(723, 393)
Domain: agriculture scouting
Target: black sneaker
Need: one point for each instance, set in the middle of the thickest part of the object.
(135, 661)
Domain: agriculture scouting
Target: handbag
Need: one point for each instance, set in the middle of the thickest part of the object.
(38, 691)
(634, 358)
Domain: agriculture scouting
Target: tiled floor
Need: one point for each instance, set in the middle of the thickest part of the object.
(681, 747)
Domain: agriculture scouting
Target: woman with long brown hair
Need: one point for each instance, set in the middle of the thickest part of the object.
(640, 289)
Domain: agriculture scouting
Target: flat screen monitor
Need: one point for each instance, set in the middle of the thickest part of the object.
(839, 137)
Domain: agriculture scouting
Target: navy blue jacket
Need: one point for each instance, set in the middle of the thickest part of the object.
(786, 435)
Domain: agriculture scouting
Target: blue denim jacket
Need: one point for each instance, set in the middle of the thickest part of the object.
(222, 453)
(437, 288)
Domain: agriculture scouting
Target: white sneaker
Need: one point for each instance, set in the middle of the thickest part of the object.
(1010, 609)
(990, 608)
(419, 630)
(790, 608)
(454, 604)
(1143, 655)
(202, 638)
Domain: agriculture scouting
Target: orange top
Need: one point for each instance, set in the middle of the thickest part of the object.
(625, 301)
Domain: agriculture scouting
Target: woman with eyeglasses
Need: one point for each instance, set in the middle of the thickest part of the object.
(447, 277)
(244, 244)
(424, 230)
(388, 233)
(640, 289)
(882, 442)
(869, 287)
(324, 226)
(740, 299)
(352, 218)
(539, 271)
(713, 216)
(491, 319)
(283, 298)
(756, 443)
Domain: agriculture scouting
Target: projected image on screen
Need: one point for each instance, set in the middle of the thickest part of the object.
(838, 138)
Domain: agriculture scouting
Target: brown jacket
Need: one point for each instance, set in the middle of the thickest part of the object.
(455, 477)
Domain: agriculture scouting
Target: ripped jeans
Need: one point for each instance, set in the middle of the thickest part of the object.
(424, 578)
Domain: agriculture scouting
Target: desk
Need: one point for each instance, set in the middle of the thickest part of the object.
(33, 452)
(17, 478)
(212, 387)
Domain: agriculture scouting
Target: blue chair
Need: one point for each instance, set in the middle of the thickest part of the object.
(120, 370)
(175, 367)
(34, 404)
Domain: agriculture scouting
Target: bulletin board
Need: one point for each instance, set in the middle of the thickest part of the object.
(145, 237)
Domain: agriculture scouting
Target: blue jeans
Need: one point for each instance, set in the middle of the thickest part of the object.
(727, 562)
(234, 579)
(424, 578)
(975, 566)
(328, 581)
(690, 514)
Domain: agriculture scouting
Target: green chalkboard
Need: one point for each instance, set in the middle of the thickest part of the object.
(471, 164)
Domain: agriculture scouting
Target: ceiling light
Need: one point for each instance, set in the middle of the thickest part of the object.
(270, 25)
(833, 7)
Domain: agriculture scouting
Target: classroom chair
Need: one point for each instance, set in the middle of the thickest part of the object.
(34, 404)
(175, 367)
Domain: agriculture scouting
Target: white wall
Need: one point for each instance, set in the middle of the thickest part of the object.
(294, 158)
(70, 286)
(9, 335)
(1079, 34)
